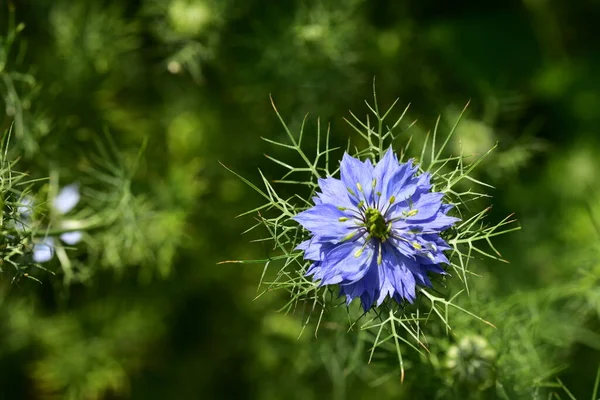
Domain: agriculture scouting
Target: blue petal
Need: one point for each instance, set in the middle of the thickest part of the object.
(72, 238)
(353, 172)
(425, 207)
(346, 262)
(433, 258)
(324, 220)
(20, 226)
(385, 168)
(446, 207)
(435, 268)
(314, 248)
(366, 288)
(25, 208)
(44, 251)
(402, 246)
(400, 275)
(439, 222)
(402, 184)
(396, 277)
(333, 191)
(439, 242)
(67, 198)
(314, 268)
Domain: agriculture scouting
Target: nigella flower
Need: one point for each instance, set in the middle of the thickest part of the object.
(24, 211)
(64, 202)
(376, 231)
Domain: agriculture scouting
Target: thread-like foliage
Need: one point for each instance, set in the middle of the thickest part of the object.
(392, 326)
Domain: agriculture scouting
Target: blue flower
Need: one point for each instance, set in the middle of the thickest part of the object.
(64, 202)
(376, 231)
(23, 216)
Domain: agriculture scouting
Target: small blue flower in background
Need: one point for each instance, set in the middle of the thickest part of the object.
(24, 211)
(376, 231)
(64, 202)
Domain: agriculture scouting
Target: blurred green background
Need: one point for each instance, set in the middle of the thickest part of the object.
(152, 315)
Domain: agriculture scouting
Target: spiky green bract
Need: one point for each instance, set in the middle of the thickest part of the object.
(390, 326)
(16, 228)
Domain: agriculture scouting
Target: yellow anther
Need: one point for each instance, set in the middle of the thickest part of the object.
(349, 236)
(411, 213)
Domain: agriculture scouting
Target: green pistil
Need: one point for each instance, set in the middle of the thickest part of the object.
(376, 225)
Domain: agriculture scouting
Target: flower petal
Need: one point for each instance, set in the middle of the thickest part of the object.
(72, 238)
(402, 183)
(426, 206)
(26, 207)
(396, 268)
(44, 251)
(314, 249)
(440, 223)
(384, 170)
(67, 198)
(355, 173)
(323, 220)
(366, 288)
(347, 262)
(333, 191)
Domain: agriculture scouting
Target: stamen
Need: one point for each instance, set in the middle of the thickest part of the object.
(410, 213)
(359, 251)
(359, 186)
(343, 219)
(349, 236)
(389, 205)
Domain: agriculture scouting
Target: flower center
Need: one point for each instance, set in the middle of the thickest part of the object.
(376, 225)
